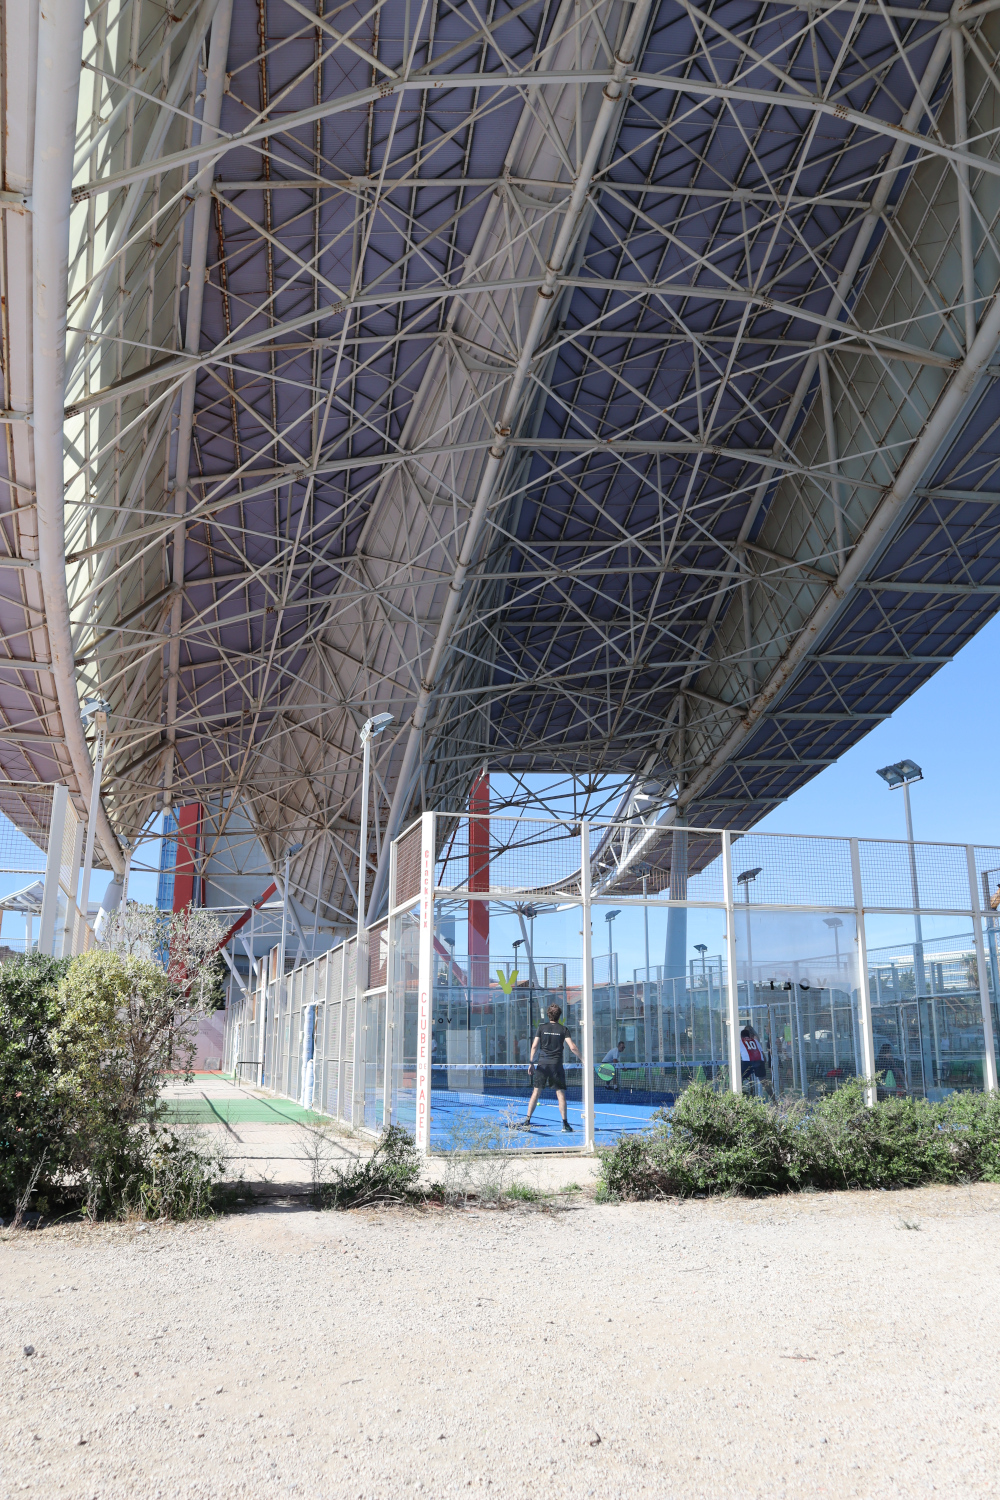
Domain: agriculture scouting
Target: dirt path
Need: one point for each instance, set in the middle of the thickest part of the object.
(810, 1346)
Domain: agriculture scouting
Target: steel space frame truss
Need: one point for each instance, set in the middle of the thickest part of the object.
(604, 390)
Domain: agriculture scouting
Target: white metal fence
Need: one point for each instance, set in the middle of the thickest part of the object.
(843, 958)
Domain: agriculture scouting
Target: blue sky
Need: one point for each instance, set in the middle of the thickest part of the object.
(951, 728)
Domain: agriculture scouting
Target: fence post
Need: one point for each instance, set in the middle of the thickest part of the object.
(53, 863)
(390, 991)
(989, 1048)
(587, 992)
(732, 977)
(425, 982)
(360, 1029)
(864, 995)
(345, 949)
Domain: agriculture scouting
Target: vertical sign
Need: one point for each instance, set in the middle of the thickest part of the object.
(425, 981)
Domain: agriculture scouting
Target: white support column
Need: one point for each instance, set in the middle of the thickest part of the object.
(587, 991)
(425, 983)
(864, 996)
(53, 864)
(989, 1044)
(732, 977)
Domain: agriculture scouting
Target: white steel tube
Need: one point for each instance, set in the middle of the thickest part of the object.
(182, 71)
(989, 1043)
(572, 222)
(215, 87)
(732, 978)
(60, 48)
(587, 991)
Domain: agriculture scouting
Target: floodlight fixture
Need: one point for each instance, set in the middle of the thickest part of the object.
(374, 726)
(901, 774)
(609, 916)
(748, 875)
(95, 708)
(833, 922)
(701, 948)
(292, 849)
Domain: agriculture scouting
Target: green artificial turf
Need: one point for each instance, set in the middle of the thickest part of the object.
(248, 1110)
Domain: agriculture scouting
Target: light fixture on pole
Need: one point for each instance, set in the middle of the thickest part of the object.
(835, 924)
(746, 879)
(369, 730)
(702, 948)
(609, 917)
(903, 774)
(98, 710)
(292, 849)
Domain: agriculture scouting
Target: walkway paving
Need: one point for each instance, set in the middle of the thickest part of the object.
(266, 1140)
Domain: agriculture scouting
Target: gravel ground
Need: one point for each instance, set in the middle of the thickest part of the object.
(840, 1344)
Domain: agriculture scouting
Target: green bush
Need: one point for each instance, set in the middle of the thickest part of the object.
(31, 1108)
(725, 1143)
(84, 1045)
(177, 1179)
(388, 1176)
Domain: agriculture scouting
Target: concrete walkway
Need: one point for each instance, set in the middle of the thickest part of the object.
(265, 1139)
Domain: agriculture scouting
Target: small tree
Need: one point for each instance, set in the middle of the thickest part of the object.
(124, 1024)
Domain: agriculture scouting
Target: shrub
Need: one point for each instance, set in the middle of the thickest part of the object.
(83, 1047)
(31, 1108)
(388, 1176)
(725, 1143)
(478, 1158)
(178, 1178)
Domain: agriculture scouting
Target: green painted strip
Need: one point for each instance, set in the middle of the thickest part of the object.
(246, 1111)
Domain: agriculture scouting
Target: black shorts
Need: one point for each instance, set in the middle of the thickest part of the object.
(753, 1070)
(549, 1076)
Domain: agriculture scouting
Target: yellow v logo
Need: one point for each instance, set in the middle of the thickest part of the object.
(507, 984)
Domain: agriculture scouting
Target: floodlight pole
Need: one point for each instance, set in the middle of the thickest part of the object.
(909, 771)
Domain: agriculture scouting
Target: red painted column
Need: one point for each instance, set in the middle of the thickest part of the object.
(479, 880)
(188, 829)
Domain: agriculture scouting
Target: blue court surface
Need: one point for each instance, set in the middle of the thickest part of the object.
(456, 1117)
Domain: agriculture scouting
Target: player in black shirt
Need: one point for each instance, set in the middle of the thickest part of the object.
(547, 1062)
